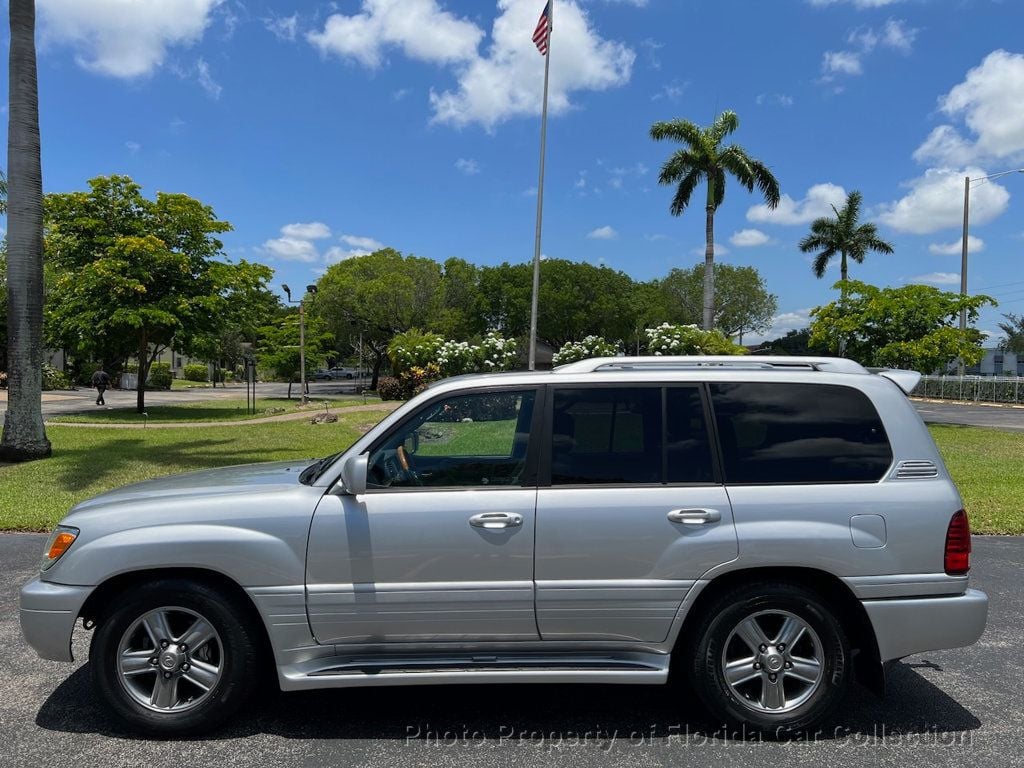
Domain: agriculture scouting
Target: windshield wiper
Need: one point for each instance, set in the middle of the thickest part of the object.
(312, 473)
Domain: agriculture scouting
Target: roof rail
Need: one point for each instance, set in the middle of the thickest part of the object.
(733, 362)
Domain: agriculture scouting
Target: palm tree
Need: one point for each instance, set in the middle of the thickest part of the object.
(24, 436)
(705, 159)
(843, 235)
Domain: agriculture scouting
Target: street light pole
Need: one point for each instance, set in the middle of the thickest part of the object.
(964, 243)
(302, 336)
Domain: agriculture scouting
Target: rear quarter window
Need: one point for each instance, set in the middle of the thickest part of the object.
(778, 433)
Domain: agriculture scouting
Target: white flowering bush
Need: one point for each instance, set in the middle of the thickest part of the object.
(457, 357)
(498, 353)
(668, 339)
(413, 349)
(591, 346)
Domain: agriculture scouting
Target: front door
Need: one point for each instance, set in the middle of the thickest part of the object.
(633, 513)
(440, 547)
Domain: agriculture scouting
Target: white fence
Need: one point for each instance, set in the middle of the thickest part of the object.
(981, 389)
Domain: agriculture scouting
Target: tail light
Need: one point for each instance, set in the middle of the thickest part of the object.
(958, 545)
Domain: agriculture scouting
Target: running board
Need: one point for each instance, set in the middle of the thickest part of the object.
(344, 672)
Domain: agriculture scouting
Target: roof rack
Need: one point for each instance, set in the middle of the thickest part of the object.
(731, 362)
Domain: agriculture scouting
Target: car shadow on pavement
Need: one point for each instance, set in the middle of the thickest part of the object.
(477, 713)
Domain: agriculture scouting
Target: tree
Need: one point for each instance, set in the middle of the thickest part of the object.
(133, 274)
(914, 326)
(795, 342)
(842, 234)
(377, 296)
(24, 436)
(742, 304)
(1014, 330)
(279, 350)
(460, 315)
(705, 159)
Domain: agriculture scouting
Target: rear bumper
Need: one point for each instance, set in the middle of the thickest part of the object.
(48, 615)
(915, 625)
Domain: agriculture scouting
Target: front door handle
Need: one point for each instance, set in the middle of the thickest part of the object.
(695, 516)
(496, 520)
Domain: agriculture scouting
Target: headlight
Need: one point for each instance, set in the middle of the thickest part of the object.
(60, 541)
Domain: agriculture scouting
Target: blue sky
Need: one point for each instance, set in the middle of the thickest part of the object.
(322, 130)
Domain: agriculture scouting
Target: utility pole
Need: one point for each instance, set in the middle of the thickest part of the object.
(310, 289)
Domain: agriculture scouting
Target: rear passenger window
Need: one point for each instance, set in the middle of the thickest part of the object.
(799, 433)
(686, 437)
(606, 435)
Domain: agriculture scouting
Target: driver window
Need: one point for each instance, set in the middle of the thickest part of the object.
(464, 441)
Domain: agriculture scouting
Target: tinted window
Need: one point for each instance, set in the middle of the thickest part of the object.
(687, 444)
(472, 440)
(606, 435)
(799, 433)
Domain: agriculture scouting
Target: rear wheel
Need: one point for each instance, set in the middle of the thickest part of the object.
(175, 657)
(772, 658)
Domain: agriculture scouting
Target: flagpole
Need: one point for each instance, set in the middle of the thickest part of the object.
(540, 197)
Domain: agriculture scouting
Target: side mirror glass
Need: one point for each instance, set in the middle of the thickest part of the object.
(353, 475)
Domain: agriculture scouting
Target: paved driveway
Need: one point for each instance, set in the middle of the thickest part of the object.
(945, 708)
(996, 416)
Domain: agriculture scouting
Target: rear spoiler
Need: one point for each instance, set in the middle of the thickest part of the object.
(905, 380)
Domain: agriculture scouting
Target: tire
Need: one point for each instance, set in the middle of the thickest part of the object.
(786, 693)
(200, 686)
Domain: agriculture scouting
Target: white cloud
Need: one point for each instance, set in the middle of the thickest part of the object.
(818, 202)
(955, 248)
(506, 81)
(855, 3)
(670, 92)
(748, 238)
(283, 27)
(357, 246)
(211, 86)
(898, 36)
(781, 325)
(841, 62)
(418, 28)
(313, 230)
(123, 39)
(133, 147)
(720, 250)
(468, 166)
(937, 278)
(936, 201)
(774, 99)
(988, 102)
(291, 249)
(603, 233)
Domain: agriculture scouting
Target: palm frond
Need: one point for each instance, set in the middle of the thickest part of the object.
(767, 184)
(685, 191)
(679, 130)
(719, 176)
(725, 124)
(678, 166)
(821, 262)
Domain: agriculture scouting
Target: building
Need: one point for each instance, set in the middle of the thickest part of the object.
(996, 362)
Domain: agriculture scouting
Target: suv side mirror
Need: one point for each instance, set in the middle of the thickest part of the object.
(353, 474)
(411, 444)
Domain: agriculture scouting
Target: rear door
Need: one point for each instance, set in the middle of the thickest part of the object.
(630, 512)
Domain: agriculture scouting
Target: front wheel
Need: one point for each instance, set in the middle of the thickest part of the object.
(174, 657)
(771, 658)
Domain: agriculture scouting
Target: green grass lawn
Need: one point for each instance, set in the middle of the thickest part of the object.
(988, 467)
(987, 464)
(85, 462)
(208, 410)
(186, 384)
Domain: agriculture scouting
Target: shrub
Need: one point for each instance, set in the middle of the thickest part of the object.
(498, 353)
(669, 339)
(160, 376)
(389, 388)
(196, 372)
(55, 379)
(591, 346)
(413, 348)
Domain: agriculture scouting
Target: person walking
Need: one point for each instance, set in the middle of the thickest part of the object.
(100, 380)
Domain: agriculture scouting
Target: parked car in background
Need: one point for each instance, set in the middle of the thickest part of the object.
(770, 528)
(338, 372)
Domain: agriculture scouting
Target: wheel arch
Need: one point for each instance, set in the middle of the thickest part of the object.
(92, 611)
(867, 666)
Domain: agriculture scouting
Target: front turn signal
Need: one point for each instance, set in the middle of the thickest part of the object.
(60, 541)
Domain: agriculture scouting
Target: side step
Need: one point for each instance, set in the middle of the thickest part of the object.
(344, 672)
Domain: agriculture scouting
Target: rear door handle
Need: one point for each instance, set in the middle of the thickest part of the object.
(496, 520)
(695, 516)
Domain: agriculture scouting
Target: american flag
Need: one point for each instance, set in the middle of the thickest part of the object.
(543, 30)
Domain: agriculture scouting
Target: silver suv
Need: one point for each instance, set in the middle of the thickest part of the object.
(770, 529)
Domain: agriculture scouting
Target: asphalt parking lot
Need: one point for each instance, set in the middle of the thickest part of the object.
(948, 708)
(971, 414)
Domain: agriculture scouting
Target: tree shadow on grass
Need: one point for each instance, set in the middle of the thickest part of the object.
(560, 713)
(87, 466)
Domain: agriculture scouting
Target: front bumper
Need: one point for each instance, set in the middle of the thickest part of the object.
(48, 615)
(915, 625)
